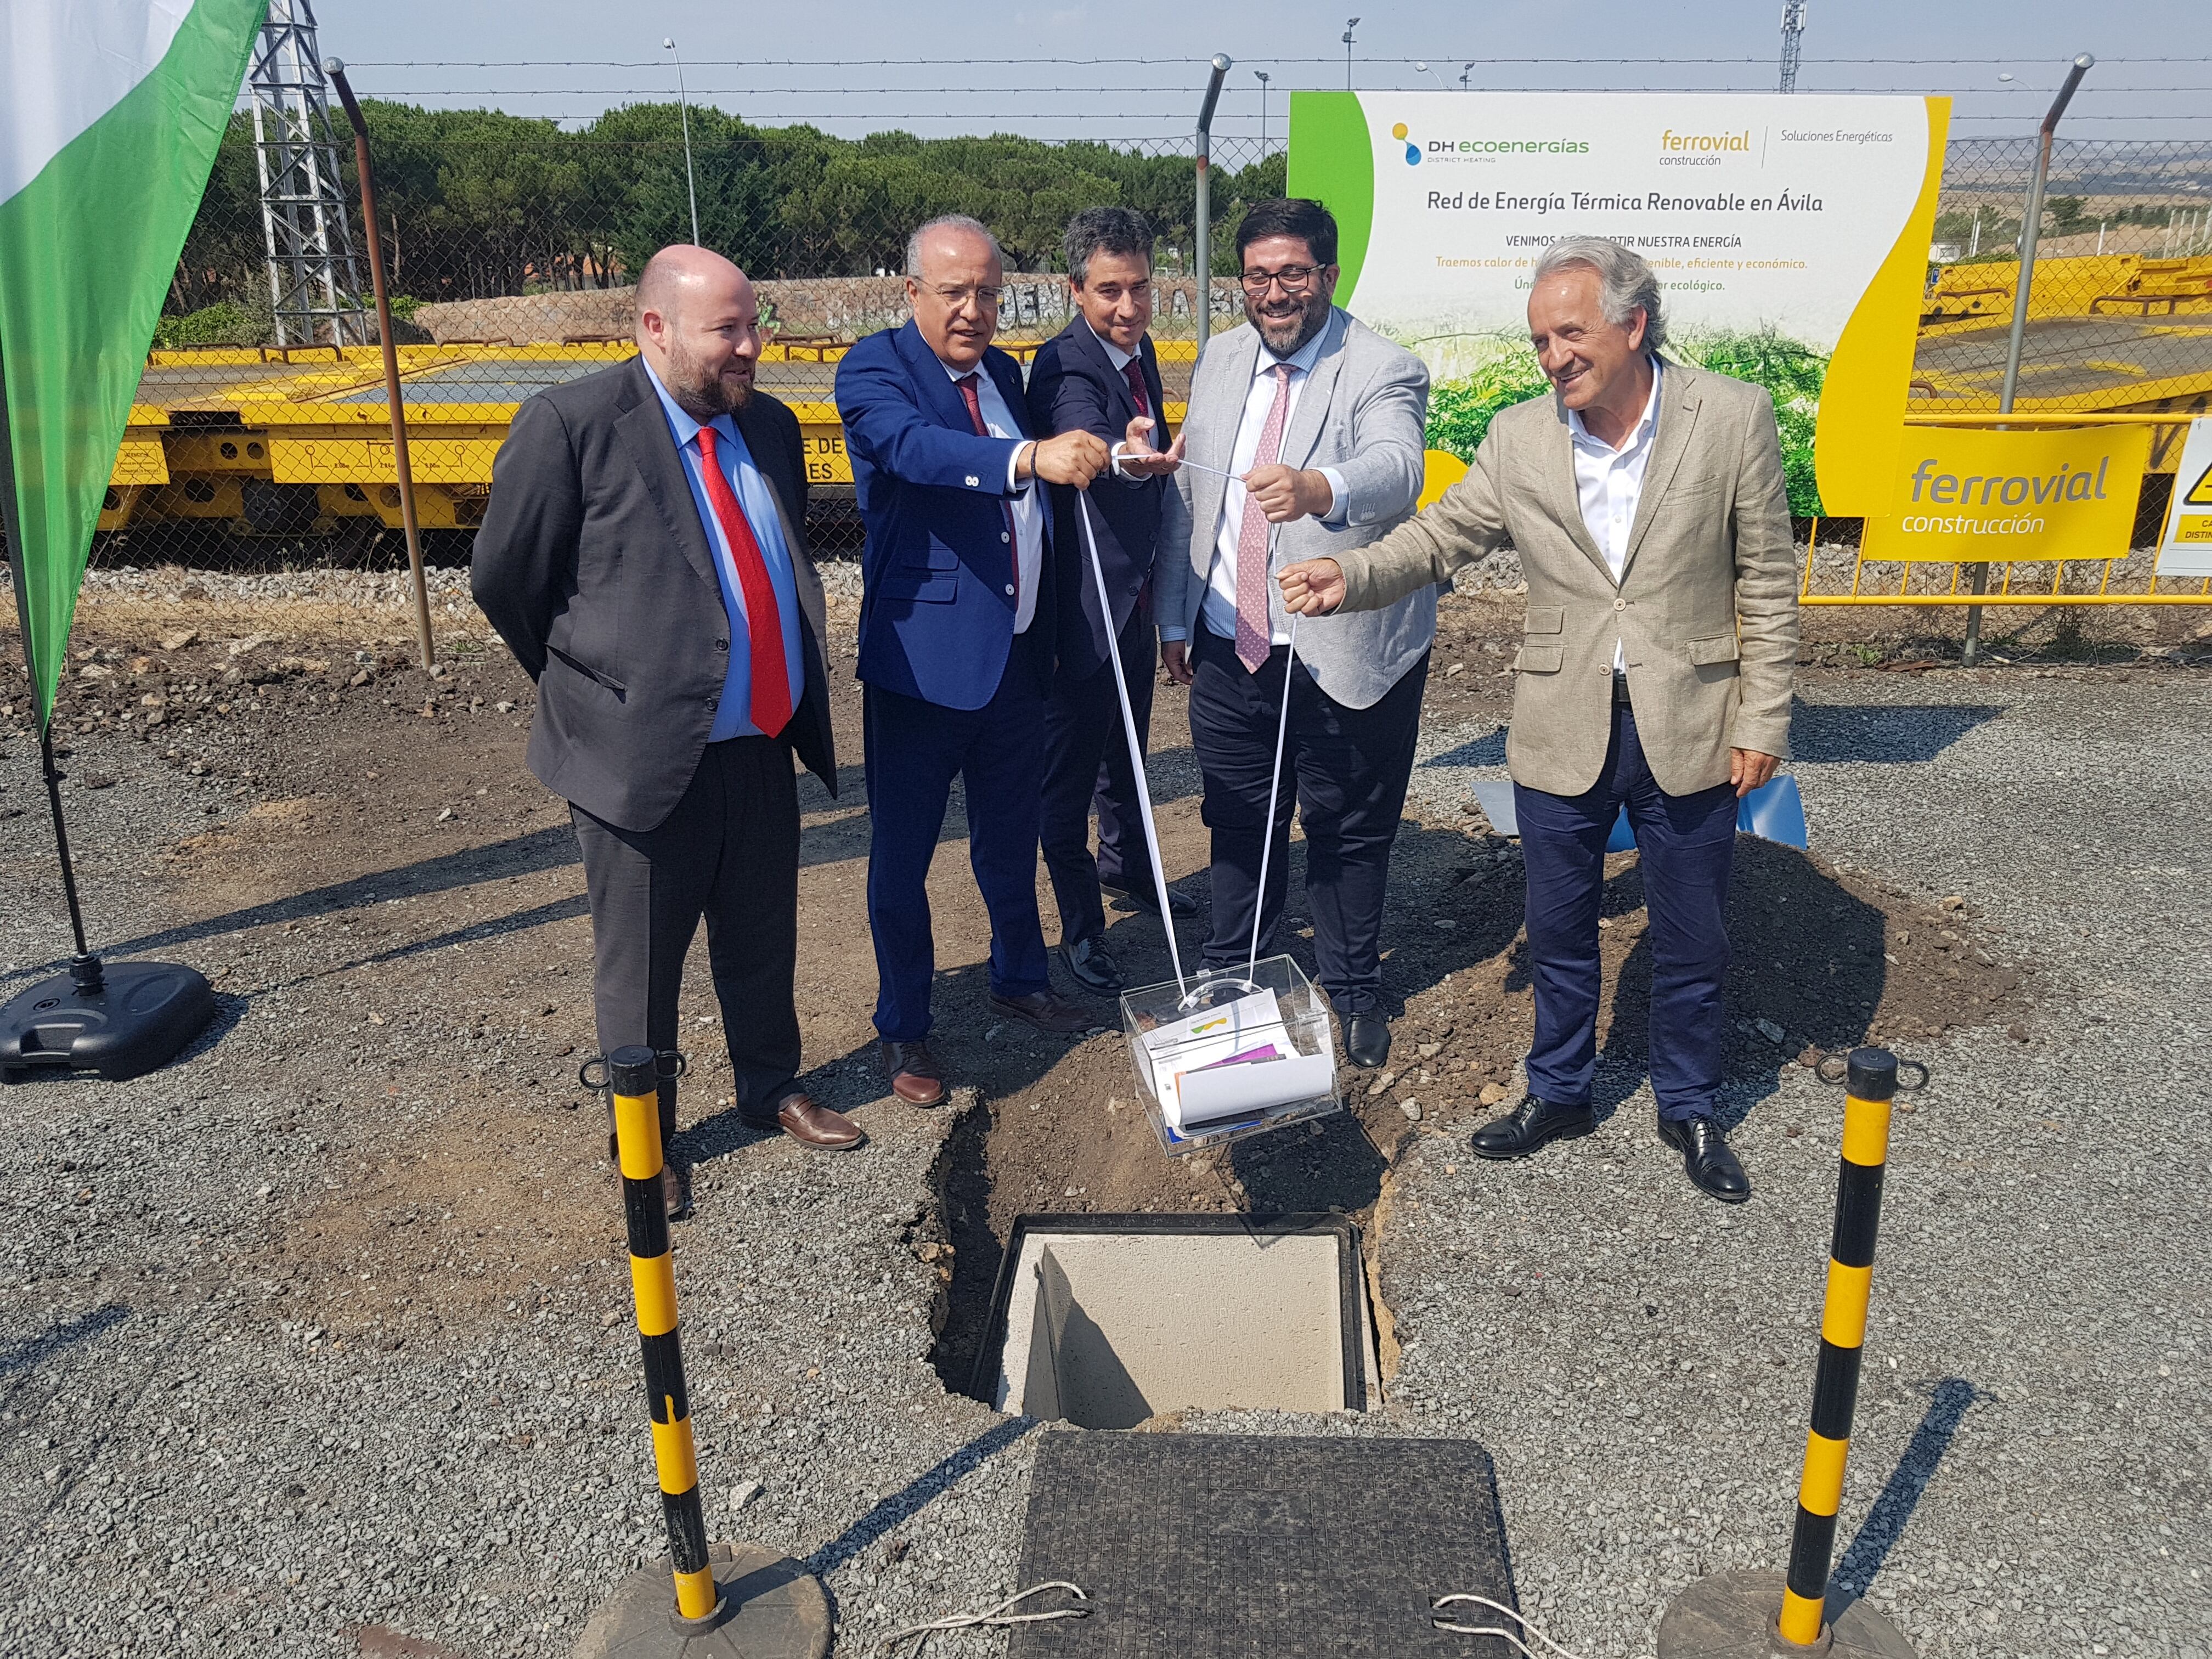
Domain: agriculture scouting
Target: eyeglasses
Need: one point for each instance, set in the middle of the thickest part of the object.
(1295, 279)
(986, 298)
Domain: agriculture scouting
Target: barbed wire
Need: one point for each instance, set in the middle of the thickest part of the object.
(969, 63)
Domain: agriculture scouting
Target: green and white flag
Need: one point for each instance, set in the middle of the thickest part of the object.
(110, 113)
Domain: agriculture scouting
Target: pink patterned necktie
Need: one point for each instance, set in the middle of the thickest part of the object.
(1255, 628)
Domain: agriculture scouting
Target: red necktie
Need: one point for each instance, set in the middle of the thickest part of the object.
(967, 385)
(1135, 376)
(771, 690)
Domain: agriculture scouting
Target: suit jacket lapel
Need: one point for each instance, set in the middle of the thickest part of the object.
(1084, 341)
(1006, 376)
(1675, 421)
(1559, 468)
(645, 431)
(1213, 442)
(938, 395)
(1307, 419)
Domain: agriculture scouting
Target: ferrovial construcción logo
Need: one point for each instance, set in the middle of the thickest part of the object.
(1481, 150)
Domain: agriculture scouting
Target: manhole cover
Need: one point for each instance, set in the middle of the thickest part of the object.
(1230, 1547)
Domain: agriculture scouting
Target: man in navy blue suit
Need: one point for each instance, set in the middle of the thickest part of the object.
(956, 622)
(1101, 374)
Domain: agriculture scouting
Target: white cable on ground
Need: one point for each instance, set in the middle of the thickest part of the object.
(1492, 1630)
(1136, 742)
(1274, 785)
(999, 1617)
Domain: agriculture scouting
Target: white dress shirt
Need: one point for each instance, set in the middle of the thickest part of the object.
(1609, 482)
(1220, 605)
(1029, 512)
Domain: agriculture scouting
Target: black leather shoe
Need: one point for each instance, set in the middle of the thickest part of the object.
(1711, 1166)
(1367, 1040)
(1528, 1126)
(1142, 896)
(1094, 970)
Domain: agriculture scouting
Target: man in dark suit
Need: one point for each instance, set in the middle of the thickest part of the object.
(1100, 375)
(643, 557)
(957, 616)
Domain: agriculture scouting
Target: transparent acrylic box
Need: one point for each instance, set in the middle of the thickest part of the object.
(1299, 1083)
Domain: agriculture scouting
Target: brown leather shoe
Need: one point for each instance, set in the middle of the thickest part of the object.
(812, 1124)
(676, 1190)
(1048, 1011)
(916, 1077)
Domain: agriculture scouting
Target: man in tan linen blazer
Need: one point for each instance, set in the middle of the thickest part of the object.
(1646, 500)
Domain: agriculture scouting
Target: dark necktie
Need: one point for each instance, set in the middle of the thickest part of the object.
(974, 401)
(1135, 376)
(771, 688)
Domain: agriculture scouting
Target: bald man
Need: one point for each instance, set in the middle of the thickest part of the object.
(644, 556)
(956, 613)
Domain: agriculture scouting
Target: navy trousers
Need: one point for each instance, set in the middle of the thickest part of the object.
(1345, 770)
(1087, 768)
(915, 750)
(1686, 845)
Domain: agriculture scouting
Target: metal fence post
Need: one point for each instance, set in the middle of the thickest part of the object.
(1205, 218)
(2031, 226)
(403, 464)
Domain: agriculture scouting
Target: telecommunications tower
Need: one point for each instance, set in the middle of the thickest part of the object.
(1793, 35)
(312, 280)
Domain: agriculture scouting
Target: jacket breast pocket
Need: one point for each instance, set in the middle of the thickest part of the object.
(1540, 660)
(1544, 619)
(1716, 648)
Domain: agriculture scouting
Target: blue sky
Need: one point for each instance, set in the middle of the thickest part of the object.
(859, 65)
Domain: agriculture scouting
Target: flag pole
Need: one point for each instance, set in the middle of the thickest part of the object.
(84, 967)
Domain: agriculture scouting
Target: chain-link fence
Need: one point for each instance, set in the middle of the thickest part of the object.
(510, 246)
(510, 249)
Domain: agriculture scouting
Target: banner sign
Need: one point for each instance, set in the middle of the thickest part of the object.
(1962, 492)
(1789, 235)
(2187, 549)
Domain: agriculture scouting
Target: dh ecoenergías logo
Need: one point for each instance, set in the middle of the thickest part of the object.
(1412, 150)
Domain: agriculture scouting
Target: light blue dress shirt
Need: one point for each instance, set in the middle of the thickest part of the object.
(733, 715)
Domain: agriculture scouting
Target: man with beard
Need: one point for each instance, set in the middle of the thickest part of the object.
(1319, 422)
(643, 555)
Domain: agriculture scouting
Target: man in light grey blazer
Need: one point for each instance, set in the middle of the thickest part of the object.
(1320, 423)
(1647, 502)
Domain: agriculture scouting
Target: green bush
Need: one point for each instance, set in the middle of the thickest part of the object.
(221, 324)
(1460, 411)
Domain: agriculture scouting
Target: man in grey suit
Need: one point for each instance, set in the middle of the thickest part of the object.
(643, 555)
(1647, 502)
(1320, 423)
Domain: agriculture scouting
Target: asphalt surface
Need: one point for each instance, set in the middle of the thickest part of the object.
(189, 1466)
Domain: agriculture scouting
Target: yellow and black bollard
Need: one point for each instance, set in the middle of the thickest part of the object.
(790, 1615)
(1871, 1086)
(1734, 1612)
(634, 1078)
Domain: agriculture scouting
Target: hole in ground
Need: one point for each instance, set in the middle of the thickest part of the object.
(1106, 1322)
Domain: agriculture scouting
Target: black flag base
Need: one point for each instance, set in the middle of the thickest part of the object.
(120, 1021)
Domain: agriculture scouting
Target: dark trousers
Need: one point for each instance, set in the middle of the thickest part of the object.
(1086, 769)
(1686, 845)
(915, 750)
(1345, 770)
(729, 852)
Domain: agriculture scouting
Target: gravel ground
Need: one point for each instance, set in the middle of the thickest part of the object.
(322, 1333)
